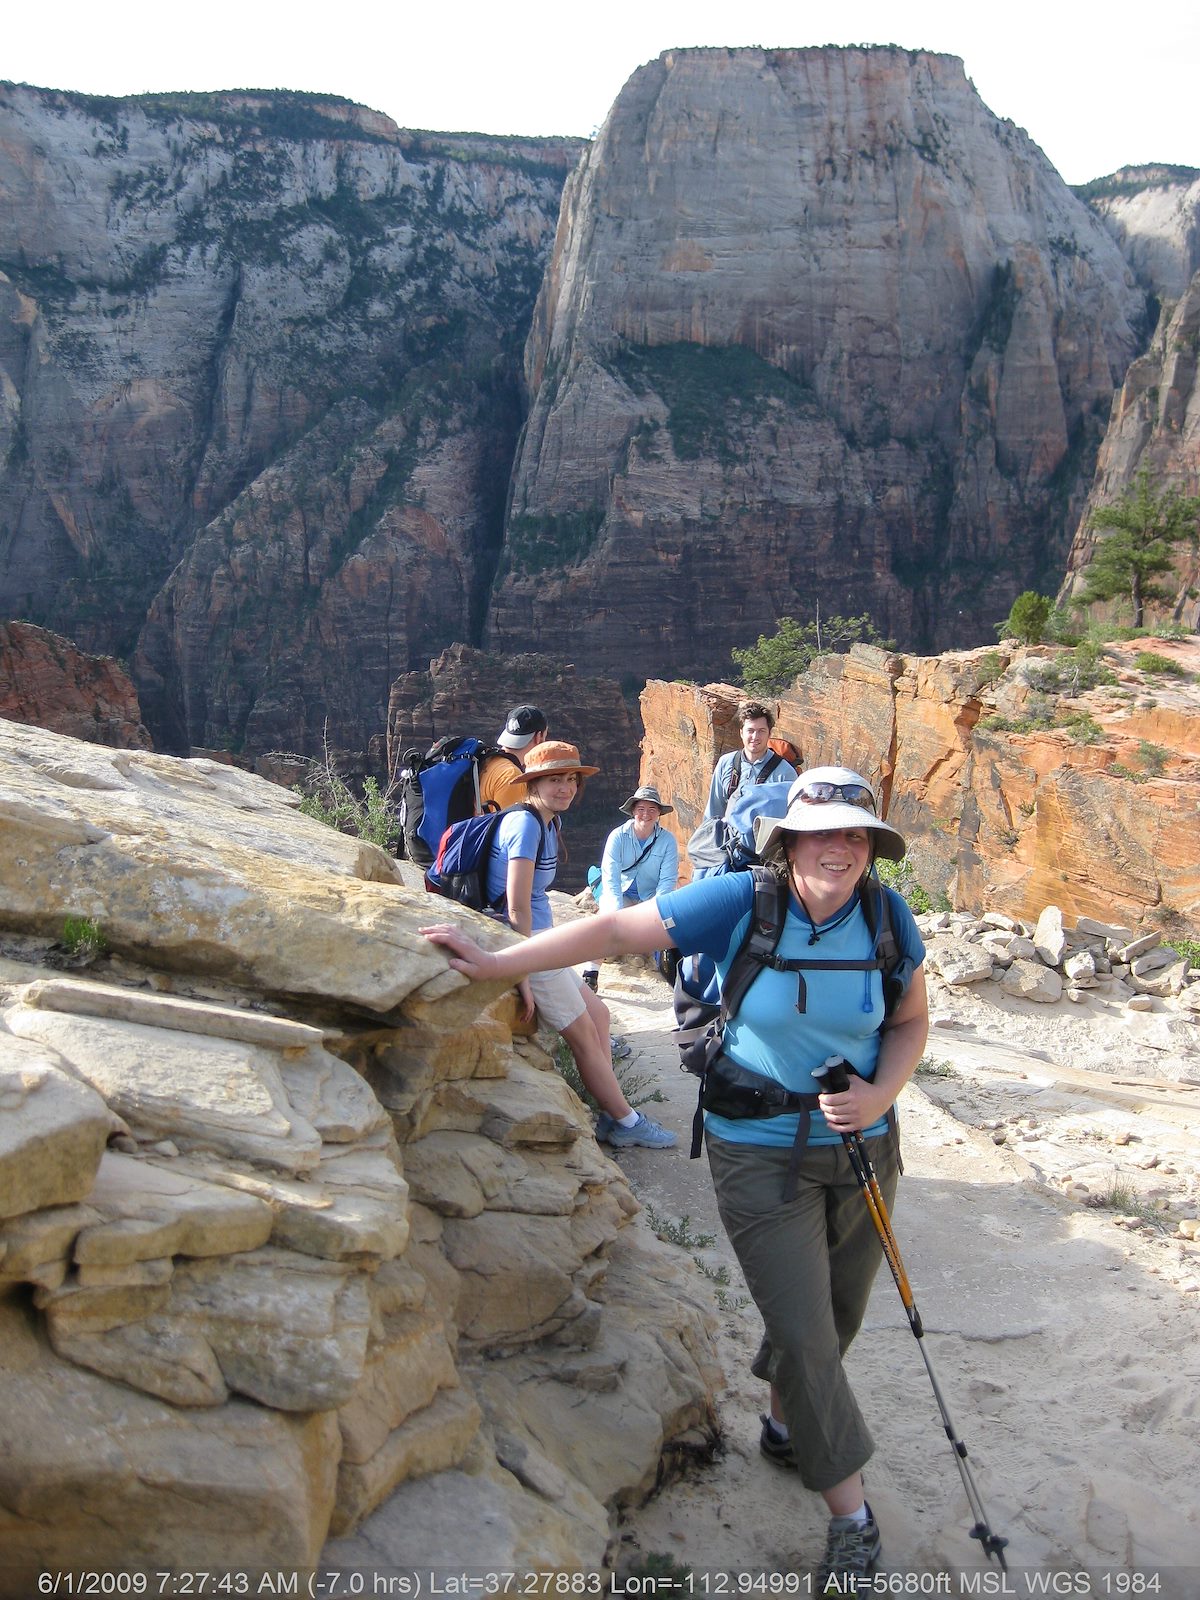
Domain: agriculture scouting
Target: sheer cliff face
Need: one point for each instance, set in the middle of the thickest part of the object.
(259, 357)
(817, 328)
(1154, 215)
(1155, 422)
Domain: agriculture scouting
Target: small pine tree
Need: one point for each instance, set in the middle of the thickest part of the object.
(1027, 620)
(1143, 529)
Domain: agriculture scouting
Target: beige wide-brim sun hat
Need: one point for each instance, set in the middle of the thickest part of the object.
(650, 794)
(806, 816)
(549, 759)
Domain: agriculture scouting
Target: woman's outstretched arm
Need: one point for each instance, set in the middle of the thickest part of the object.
(639, 930)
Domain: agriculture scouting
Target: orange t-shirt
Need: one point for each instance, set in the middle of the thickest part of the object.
(500, 783)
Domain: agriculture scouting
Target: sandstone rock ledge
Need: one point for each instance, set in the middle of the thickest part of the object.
(296, 1240)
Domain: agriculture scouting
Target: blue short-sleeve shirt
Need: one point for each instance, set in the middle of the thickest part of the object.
(842, 1010)
(517, 838)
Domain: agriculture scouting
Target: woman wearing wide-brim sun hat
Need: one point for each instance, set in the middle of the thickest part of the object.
(830, 797)
(786, 1189)
(522, 863)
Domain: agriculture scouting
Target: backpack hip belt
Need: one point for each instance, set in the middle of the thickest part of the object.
(733, 1091)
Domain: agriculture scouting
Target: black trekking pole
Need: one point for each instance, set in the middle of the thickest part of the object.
(836, 1080)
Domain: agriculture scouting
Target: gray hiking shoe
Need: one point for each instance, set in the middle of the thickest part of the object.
(851, 1550)
(775, 1447)
(645, 1131)
(604, 1126)
(621, 1048)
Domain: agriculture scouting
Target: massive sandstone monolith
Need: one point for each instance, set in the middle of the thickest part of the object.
(818, 327)
(260, 394)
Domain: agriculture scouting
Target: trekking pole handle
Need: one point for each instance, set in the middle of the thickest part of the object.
(833, 1075)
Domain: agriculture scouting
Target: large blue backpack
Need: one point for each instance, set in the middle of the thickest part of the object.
(439, 788)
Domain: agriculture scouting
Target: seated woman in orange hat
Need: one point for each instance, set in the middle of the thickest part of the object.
(521, 867)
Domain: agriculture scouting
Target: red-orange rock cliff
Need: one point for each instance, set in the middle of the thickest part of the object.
(1099, 815)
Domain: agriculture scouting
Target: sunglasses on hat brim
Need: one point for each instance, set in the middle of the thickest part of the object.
(821, 793)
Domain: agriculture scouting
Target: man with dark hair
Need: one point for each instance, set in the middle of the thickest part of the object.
(754, 763)
(500, 782)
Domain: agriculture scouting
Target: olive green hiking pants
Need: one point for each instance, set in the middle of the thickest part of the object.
(809, 1264)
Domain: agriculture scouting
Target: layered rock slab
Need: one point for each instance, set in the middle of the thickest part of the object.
(212, 1241)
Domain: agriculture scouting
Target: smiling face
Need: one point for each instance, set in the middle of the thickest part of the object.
(755, 733)
(553, 795)
(826, 866)
(645, 815)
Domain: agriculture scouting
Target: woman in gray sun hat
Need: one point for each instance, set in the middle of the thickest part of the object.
(641, 860)
(788, 1196)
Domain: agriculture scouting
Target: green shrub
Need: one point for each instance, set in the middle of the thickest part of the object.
(1027, 620)
(1152, 757)
(637, 1087)
(1039, 714)
(931, 1067)
(326, 797)
(1065, 626)
(1082, 727)
(778, 659)
(1189, 949)
(1149, 661)
(1073, 672)
(990, 668)
(83, 939)
(900, 876)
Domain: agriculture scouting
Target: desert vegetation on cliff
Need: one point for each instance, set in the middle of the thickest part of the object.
(1144, 528)
(776, 660)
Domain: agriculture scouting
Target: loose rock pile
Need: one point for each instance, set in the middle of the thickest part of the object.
(1048, 962)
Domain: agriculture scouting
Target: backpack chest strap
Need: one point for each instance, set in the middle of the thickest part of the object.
(800, 966)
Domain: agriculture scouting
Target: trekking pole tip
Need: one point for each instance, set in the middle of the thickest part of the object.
(993, 1543)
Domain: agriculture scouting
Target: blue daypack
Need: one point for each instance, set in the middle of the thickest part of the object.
(459, 871)
(439, 788)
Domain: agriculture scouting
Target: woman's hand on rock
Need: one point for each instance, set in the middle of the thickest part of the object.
(465, 955)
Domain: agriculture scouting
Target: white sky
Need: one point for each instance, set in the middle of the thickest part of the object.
(1098, 87)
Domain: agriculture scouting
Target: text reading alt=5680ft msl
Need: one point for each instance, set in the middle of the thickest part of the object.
(682, 1584)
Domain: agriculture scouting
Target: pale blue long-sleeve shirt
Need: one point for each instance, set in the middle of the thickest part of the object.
(621, 884)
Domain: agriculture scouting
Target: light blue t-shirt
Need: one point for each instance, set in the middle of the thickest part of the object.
(518, 838)
(842, 1010)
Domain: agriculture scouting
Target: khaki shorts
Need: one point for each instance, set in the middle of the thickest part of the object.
(559, 996)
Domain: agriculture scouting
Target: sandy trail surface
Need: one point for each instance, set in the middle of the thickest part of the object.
(1062, 1332)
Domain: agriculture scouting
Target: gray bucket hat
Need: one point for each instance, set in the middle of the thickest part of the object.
(646, 791)
(830, 797)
